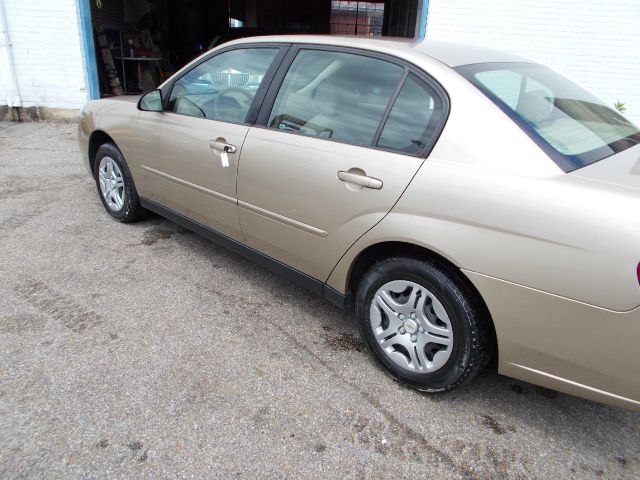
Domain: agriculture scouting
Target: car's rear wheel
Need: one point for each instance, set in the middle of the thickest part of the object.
(115, 185)
(423, 323)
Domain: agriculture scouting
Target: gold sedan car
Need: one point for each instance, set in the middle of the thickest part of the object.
(470, 204)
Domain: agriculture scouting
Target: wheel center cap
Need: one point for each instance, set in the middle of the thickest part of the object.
(411, 326)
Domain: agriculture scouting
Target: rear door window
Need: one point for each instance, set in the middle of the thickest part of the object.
(335, 95)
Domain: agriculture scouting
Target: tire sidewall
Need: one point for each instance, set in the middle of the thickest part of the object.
(454, 303)
(131, 196)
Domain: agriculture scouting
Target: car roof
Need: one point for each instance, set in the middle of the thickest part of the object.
(449, 53)
(456, 54)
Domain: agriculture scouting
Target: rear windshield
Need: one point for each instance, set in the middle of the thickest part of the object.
(571, 125)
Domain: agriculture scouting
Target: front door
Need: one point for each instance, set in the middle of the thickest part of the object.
(198, 139)
(344, 137)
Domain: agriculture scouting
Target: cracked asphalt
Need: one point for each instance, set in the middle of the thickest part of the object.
(146, 351)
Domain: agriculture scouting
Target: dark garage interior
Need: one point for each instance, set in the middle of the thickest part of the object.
(139, 43)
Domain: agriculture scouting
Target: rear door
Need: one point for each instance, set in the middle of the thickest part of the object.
(341, 138)
(197, 140)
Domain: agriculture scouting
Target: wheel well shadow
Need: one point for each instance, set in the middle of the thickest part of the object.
(97, 139)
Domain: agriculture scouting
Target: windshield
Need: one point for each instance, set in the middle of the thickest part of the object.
(571, 125)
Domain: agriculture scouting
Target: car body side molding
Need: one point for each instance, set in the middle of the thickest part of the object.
(314, 285)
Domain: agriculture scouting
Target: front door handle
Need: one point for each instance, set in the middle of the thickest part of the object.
(222, 146)
(362, 180)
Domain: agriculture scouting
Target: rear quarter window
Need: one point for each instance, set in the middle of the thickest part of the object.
(414, 119)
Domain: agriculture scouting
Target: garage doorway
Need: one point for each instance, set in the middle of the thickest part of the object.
(140, 43)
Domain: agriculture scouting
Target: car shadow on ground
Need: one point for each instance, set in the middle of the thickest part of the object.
(505, 406)
(502, 393)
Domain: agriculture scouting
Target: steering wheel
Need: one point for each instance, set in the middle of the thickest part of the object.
(226, 106)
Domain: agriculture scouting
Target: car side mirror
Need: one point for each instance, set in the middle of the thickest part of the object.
(151, 101)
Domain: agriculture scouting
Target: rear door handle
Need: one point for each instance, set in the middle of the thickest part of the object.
(362, 180)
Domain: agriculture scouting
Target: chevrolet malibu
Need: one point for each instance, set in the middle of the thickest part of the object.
(469, 204)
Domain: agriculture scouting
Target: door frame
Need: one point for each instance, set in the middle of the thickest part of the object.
(265, 97)
(276, 83)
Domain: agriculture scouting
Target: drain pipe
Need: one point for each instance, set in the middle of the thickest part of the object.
(7, 70)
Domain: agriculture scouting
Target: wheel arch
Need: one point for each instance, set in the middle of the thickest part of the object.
(382, 250)
(96, 140)
(388, 249)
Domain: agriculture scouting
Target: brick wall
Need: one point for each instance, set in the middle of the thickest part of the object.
(47, 52)
(596, 43)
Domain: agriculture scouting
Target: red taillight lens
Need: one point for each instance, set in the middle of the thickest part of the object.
(638, 272)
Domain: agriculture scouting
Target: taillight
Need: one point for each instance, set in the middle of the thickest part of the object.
(638, 272)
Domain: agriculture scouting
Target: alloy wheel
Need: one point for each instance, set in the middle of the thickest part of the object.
(111, 183)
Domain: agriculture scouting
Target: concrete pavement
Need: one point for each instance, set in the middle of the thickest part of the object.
(146, 351)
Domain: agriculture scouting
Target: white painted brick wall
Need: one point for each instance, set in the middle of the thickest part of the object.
(47, 52)
(594, 42)
(597, 43)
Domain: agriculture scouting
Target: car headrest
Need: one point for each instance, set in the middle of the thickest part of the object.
(535, 106)
(334, 94)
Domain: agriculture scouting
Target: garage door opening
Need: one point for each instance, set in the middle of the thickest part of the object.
(140, 43)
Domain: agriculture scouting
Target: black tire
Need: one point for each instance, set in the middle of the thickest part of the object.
(473, 343)
(131, 211)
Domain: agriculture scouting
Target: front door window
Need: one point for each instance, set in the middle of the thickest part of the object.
(223, 87)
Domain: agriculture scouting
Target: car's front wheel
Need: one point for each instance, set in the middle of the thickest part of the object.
(115, 185)
(422, 323)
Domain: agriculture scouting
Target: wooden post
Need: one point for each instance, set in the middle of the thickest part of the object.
(109, 64)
